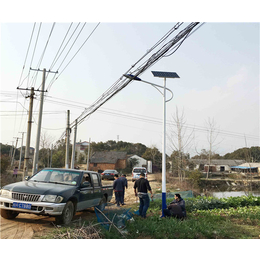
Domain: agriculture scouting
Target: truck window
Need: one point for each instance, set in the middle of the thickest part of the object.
(95, 180)
(86, 178)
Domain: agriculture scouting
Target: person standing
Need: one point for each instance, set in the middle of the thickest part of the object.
(142, 185)
(124, 180)
(118, 188)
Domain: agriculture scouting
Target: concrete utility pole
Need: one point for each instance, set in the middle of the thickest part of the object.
(28, 138)
(74, 146)
(51, 155)
(12, 162)
(21, 152)
(38, 137)
(88, 152)
(67, 140)
(11, 151)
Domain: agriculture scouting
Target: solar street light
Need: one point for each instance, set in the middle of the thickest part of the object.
(161, 74)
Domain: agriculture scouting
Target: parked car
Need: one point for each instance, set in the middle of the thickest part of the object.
(108, 174)
(55, 192)
(137, 171)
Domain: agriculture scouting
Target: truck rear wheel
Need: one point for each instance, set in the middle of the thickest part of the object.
(102, 203)
(67, 214)
(9, 214)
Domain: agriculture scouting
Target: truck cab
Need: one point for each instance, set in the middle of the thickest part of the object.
(54, 192)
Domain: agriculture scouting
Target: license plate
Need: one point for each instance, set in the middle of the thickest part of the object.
(22, 205)
(107, 173)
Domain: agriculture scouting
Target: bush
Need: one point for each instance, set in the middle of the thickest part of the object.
(209, 203)
(5, 162)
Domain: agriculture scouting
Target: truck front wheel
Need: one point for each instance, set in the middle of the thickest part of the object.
(67, 214)
(9, 214)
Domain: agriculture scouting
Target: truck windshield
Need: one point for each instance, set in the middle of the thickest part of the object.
(56, 176)
(140, 170)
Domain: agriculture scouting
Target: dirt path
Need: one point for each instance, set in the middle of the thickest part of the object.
(27, 226)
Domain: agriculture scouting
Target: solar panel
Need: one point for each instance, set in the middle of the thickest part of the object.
(164, 74)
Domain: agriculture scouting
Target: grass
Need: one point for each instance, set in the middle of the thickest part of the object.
(207, 218)
(203, 224)
(215, 223)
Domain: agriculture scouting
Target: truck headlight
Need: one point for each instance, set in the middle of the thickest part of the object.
(6, 193)
(52, 198)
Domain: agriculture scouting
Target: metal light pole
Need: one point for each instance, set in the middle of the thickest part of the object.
(164, 75)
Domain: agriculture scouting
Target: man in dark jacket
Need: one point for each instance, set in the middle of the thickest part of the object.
(118, 187)
(142, 185)
(176, 207)
(124, 180)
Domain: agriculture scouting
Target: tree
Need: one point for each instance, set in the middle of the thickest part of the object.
(58, 156)
(180, 141)
(212, 137)
(154, 155)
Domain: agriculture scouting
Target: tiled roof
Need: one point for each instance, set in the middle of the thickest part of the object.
(218, 162)
(108, 157)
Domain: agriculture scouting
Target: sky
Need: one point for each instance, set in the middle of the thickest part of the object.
(218, 66)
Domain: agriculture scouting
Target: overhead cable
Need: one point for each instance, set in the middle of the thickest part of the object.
(123, 82)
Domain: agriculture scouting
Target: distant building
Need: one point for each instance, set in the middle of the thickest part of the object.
(80, 150)
(247, 168)
(141, 162)
(216, 165)
(111, 160)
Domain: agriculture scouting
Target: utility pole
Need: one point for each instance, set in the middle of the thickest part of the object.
(88, 153)
(11, 151)
(67, 140)
(21, 152)
(28, 138)
(74, 145)
(38, 137)
(12, 162)
(36, 151)
(51, 155)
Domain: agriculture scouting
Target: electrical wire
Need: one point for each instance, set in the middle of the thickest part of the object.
(77, 51)
(36, 42)
(149, 119)
(26, 56)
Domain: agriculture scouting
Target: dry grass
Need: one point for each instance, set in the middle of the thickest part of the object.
(84, 232)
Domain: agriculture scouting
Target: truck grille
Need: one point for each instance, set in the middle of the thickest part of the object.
(25, 196)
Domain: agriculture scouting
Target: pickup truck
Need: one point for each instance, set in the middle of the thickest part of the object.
(55, 192)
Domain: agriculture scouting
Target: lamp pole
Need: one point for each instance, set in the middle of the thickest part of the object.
(164, 151)
(164, 75)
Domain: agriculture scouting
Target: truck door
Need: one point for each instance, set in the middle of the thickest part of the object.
(97, 188)
(87, 196)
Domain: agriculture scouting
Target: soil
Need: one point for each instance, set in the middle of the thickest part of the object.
(30, 226)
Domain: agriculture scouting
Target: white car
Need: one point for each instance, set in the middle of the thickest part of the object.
(137, 171)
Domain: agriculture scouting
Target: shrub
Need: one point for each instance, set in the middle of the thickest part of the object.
(5, 162)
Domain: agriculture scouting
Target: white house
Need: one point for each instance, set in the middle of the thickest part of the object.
(141, 161)
(80, 149)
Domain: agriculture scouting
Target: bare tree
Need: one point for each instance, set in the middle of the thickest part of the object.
(45, 144)
(212, 138)
(180, 140)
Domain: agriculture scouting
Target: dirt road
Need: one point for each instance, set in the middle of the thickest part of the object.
(27, 226)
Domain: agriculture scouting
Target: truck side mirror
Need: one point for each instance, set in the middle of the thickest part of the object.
(27, 178)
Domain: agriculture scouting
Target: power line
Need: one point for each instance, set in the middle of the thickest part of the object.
(26, 55)
(149, 119)
(122, 82)
(76, 52)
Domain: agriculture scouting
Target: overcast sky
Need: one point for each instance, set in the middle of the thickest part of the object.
(218, 67)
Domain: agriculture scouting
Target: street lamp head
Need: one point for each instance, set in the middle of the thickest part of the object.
(164, 74)
(130, 76)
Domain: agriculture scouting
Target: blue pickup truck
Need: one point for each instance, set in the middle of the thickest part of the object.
(54, 192)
